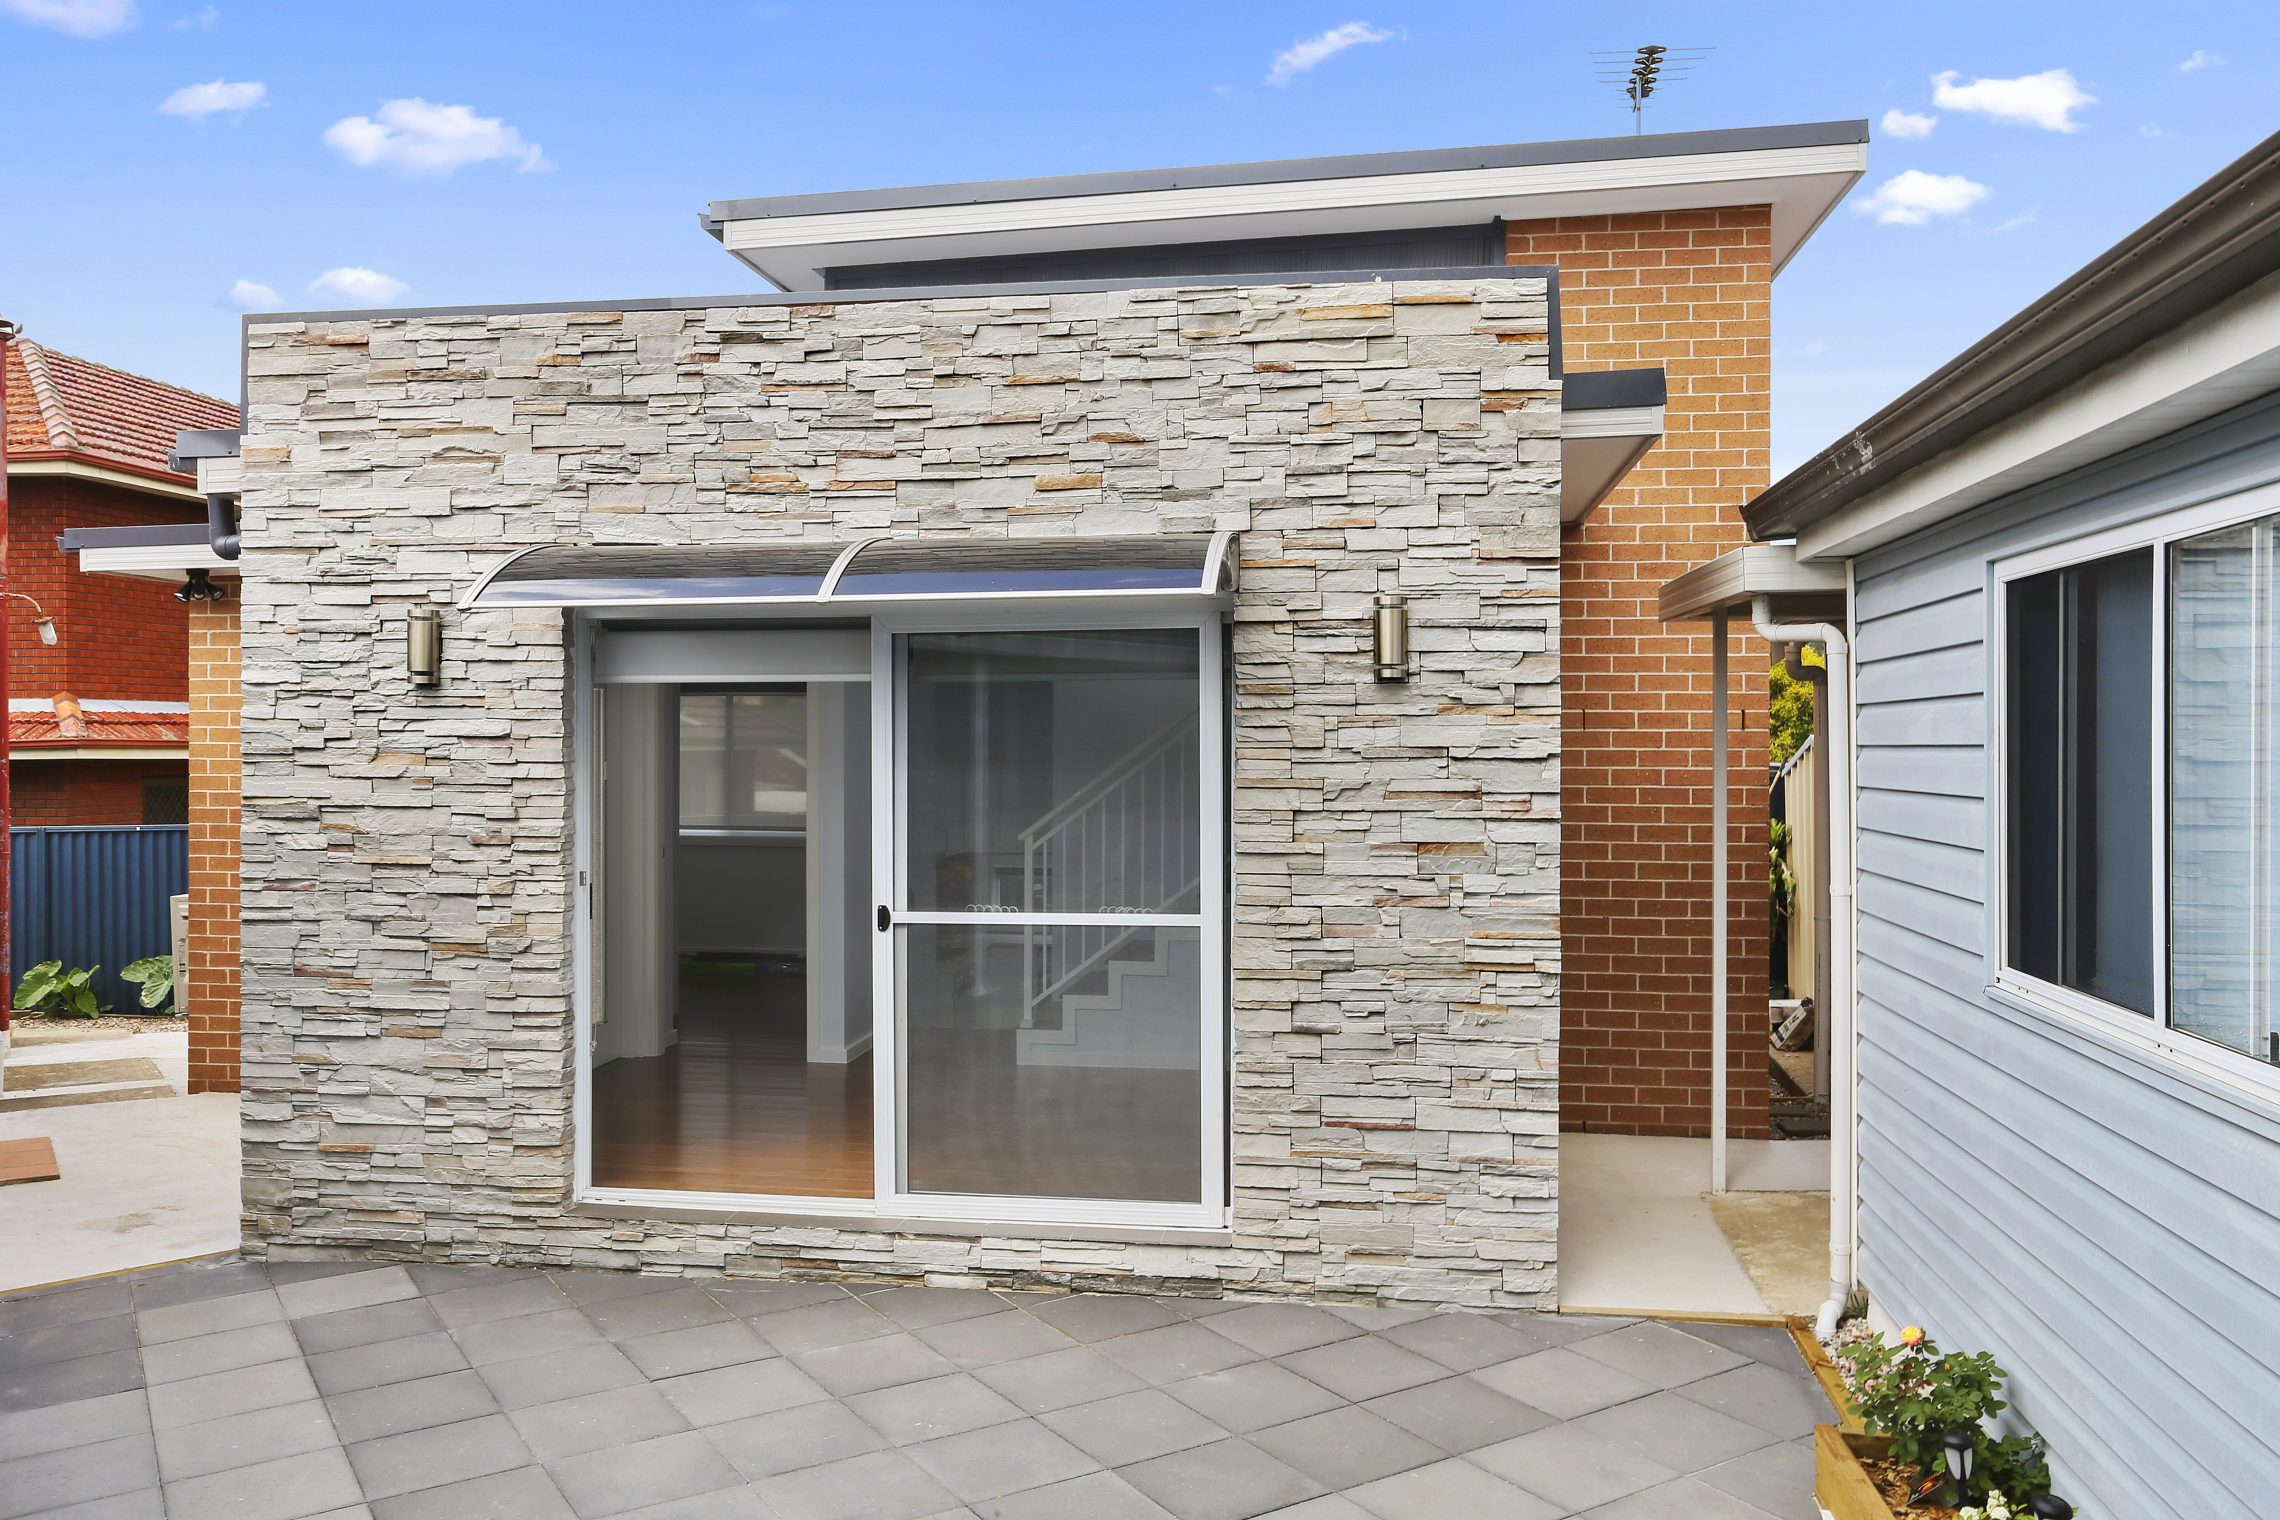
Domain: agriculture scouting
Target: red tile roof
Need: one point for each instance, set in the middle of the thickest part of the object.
(60, 406)
(64, 722)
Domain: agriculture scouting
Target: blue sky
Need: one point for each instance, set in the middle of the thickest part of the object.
(588, 136)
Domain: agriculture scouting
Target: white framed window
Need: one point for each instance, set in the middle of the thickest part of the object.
(2138, 838)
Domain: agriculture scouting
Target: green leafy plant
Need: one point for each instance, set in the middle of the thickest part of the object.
(154, 974)
(49, 989)
(1789, 709)
(1914, 1393)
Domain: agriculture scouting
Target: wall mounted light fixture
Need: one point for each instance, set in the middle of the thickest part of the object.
(423, 646)
(1389, 644)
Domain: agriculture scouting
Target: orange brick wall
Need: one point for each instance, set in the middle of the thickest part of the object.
(117, 639)
(214, 846)
(1690, 291)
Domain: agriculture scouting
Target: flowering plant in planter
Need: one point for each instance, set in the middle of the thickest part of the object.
(1912, 1392)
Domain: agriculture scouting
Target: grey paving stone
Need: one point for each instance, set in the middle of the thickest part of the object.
(362, 1327)
(1458, 1414)
(418, 1459)
(1770, 1344)
(394, 1408)
(290, 1488)
(1563, 1384)
(398, 1361)
(592, 1421)
(1001, 1459)
(346, 1290)
(677, 1308)
(1563, 1329)
(1777, 1402)
(699, 1348)
(523, 1493)
(560, 1375)
(504, 1340)
(53, 1479)
(1574, 1469)
(209, 1316)
(812, 1327)
(880, 1362)
(530, 1293)
(64, 1306)
(765, 1445)
(942, 1406)
(1448, 1488)
(439, 1277)
(1279, 1329)
(748, 1298)
(645, 1472)
(84, 1377)
(1462, 1342)
(1376, 1317)
(1659, 1355)
(1227, 1480)
(1777, 1479)
(1133, 1427)
(1253, 1397)
(1328, 1507)
(1187, 1306)
(1059, 1379)
(1363, 1367)
(919, 1308)
(880, 1485)
(987, 1339)
(220, 1352)
(1173, 1352)
(1344, 1447)
(67, 1341)
(1675, 1430)
(1095, 1496)
(741, 1391)
(221, 1394)
(82, 1422)
(137, 1504)
(720, 1504)
(242, 1440)
(1091, 1317)
(283, 1272)
(1679, 1499)
(193, 1282)
(595, 1287)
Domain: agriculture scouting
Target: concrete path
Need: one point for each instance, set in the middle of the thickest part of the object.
(443, 1393)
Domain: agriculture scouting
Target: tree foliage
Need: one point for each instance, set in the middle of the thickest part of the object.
(1790, 710)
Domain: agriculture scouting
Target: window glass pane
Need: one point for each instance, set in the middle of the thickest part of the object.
(2080, 714)
(744, 759)
(1092, 1093)
(2221, 839)
(970, 566)
(1053, 772)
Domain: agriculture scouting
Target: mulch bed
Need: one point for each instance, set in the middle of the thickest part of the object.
(150, 1022)
(1893, 1480)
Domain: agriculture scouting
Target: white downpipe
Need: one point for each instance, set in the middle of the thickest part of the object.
(1838, 1025)
(1718, 907)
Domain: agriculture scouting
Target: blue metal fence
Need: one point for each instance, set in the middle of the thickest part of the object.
(95, 897)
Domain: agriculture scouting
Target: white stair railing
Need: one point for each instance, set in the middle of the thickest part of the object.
(1123, 843)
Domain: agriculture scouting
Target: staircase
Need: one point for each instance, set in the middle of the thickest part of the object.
(1144, 1018)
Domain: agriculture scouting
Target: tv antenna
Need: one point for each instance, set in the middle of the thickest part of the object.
(1639, 73)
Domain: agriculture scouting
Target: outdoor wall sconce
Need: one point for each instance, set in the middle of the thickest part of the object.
(42, 624)
(200, 587)
(1959, 1449)
(1390, 636)
(423, 646)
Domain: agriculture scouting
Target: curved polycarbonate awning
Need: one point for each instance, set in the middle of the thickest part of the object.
(877, 570)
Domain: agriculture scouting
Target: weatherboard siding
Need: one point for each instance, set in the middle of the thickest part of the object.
(2106, 1223)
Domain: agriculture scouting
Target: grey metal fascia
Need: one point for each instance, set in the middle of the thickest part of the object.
(1608, 389)
(194, 444)
(1291, 170)
(158, 536)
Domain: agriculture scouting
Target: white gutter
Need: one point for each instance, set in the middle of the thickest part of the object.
(1838, 1029)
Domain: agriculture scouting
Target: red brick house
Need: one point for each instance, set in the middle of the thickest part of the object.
(98, 721)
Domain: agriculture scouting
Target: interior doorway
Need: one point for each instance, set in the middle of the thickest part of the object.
(731, 1048)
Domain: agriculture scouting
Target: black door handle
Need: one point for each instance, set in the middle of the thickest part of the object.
(886, 919)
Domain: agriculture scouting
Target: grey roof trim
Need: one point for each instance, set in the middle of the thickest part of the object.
(1608, 389)
(160, 536)
(2213, 243)
(194, 444)
(1288, 170)
(861, 297)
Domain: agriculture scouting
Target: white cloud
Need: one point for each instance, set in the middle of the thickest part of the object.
(199, 101)
(2202, 59)
(358, 286)
(415, 136)
(201, 20)
(253, 296)
(2047, 100)
(1912, 197)
(1899, 123)
(1309, 52)
(81, 18)
(2149, 129)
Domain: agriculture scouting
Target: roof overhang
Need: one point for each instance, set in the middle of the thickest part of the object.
(1802, 172)
(164, 553)
(1733, 581)
(65, 465)
(1608, 421)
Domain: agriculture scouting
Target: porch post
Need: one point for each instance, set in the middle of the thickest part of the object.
(1718, 914)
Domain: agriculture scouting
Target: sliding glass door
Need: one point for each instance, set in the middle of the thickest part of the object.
(1053, 936)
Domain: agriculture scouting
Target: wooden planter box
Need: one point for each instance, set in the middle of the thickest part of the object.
(1838, 1482)
(1825, 1372)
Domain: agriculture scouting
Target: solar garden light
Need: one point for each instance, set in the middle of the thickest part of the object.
(1960, 1450)
(2050, 1507)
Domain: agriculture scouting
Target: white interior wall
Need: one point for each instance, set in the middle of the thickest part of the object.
(839, 876)
(640, 809)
